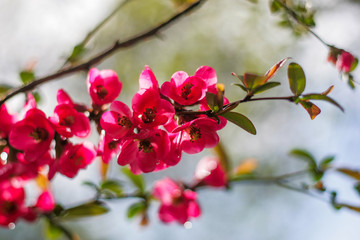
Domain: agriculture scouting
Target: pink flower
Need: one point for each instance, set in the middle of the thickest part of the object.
(74, 158)
(45, 201)
(177, 204)
(103, 86)
(183, 89)
(149, 109)
(108, 148)
(6, 122)
(12, 199)
(209, 171)
(345, 62)
(117, 122)
(198, 134)
(208, 75)
(33, 135)
(68, 122)
(145, 151)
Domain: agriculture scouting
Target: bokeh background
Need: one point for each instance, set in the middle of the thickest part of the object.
(230, 36)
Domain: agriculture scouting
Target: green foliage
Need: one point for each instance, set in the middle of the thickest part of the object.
(85, 210)
(111, 187)
(241, 121)
(323, 98)
(316, 172)
(296, 78)
(52, 231)
(27, 76)
(136, 209)
(137, 180)
(78, 51)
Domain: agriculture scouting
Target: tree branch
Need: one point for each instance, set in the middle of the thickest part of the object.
(100, 57)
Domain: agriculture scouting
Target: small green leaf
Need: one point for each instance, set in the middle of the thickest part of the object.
(91, 185)
(240, 120)
(322, 97)
(265, 87)
(357, 188)
(52, 231)
(354, 65)
(27, 76)
(137, 180)
(304, 155)
(211, 101)
(112, 186)
(311, 108)
(78, 51)
(275, 6)
(136, 209)
(252, 81)
(296, 78)
(4, 88)
(241, 86)
(326, 162)
(85, 210)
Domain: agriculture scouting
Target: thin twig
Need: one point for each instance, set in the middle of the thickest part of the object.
(106, 53)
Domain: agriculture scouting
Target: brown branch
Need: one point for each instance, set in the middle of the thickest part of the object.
(100, 57)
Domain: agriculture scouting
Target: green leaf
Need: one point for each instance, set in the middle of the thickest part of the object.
(78, 51)
(355, 174)
(357, 188)
(240, 120)
(137, 180)
(304, 155)
(265, 87)
(322, 97)
(27, 76)
(212, 101)
(112, 186)
(52, 231)
(252, 81)
(274, 6)
(85, 210)
(241, 86)
(354, 65)
(91, 185)
(136, 209)
(311, 108)
(296, 78)
(326, 162)
(4, 88)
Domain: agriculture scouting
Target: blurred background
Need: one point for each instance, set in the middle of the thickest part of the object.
(230, 36)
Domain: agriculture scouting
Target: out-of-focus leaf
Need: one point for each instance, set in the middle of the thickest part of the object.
(92, 185)
(327, 91)
(265, 87)
(357, 188)
(78, 51)
(246, 167)
(355, 174)
(85, 210)
(4, 88)
(137, 180)
(311, 108)
(112, 186)
(36, 96)
(354, 65)
(304, 155)
(350, 80)
(136, 209)
(240, 120)
(296, 78)
(322, 97)
(52, 231)
(325, 163)
(275, 6)
(26, 76)
(211, 100)
(241, 86)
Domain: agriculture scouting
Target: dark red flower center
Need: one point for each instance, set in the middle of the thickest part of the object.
(149, 115)
(67, 121)
(186, 90)
(194, 132)
(9, 207)
(101, 91)
(145, 146)
(124, 121)
(112, 145)
(39, 134)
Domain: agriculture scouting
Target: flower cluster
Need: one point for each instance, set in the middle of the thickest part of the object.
(148, 136)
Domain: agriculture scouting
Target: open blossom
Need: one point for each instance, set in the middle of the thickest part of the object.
(177, 204)
(33, 135)
(145, 151)
(149, 109)
(74, 158)
(117, 122)
(69, 122)
(184, 89)
(198, 134)
(103, 86)
(209, 171)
